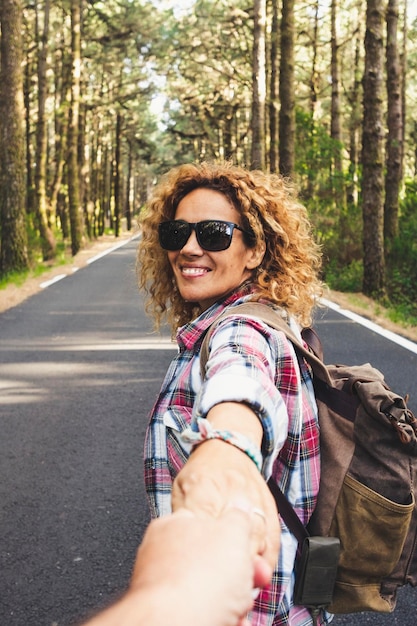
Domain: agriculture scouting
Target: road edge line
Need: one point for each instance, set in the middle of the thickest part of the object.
(388, 334)
(100, 255)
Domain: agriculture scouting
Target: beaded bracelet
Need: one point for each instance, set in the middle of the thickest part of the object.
(207, 432)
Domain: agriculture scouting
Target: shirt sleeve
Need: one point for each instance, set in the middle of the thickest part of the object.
(252, 363)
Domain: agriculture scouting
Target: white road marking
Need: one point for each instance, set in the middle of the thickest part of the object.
(398, 339)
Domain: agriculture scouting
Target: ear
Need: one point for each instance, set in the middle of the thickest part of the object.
(255, 256)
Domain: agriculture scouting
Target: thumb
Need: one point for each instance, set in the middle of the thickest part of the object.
(262, 572)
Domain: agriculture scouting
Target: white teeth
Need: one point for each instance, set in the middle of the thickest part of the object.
(193, 270)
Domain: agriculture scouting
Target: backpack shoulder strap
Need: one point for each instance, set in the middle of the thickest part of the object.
(271, 317)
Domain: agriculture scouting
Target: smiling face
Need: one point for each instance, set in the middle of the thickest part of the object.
(201, 276)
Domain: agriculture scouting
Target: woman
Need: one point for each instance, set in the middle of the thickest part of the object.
(214, 236)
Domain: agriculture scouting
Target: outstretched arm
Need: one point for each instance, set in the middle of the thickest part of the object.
(217, 473)
(192, 569)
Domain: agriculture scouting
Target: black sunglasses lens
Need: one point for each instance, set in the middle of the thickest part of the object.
(173, 235)
(214, 235)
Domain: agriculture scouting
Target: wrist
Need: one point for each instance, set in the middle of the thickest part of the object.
(206, 432)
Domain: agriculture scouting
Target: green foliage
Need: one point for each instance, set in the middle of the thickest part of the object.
(402, 258)
(404, 314)
(314, 153)
(13, 278)
(401, 266)
(347, 278)
(208, 82)
(338, 226)
(37, 266)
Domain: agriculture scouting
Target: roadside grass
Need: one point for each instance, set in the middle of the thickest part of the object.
(37, 266)
(402, 315)
(345, 284)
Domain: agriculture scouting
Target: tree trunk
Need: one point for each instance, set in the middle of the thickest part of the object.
(273, 97)
(62, 99)
(30, 188)
(13, 248)
(83, 171)
(355, 120)
(314, 79)
(128, 199)
(404, 65)
(335, 126)
(258, 86)
(395, 127)
(314, 90)
(73, 171)
(286, 91)
(106, 186)
(117, 175)
(47, 238)
(372, 153)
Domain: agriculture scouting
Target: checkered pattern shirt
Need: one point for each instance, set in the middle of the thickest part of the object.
(252, 363)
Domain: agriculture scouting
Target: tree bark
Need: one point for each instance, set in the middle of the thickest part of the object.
(335, 126)
(314, 80)
(273, 91)
(355, 119)
(61, 123)
(117, 186)
(27, 88)
(395, 127)
(128, 202)
(372, 153)
(258, 86)
(286, 91)
(13, 247)
(73, 170)
(47, 238)
(404, 65)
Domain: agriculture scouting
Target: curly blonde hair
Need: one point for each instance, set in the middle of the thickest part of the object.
(268, 204)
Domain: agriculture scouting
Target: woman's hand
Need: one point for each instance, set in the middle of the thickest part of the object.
(218, 474)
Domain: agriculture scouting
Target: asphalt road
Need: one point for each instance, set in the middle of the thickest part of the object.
(79, 370)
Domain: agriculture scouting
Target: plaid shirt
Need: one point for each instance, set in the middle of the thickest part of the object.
(252, 363)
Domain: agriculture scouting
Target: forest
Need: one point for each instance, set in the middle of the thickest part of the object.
(99, 98)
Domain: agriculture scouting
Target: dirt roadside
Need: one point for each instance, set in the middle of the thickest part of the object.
(358, 303)
(364, 306)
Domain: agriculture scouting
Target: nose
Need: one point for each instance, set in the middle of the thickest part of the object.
(192, 246)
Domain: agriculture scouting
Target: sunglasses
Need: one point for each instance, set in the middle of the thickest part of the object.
(212, 235)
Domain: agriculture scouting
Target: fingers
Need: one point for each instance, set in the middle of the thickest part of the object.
(266, 531)
(255, 519)
(262, 572)
(216, 475)
(259, 530)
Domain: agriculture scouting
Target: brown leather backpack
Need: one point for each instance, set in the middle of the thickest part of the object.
(367, 495)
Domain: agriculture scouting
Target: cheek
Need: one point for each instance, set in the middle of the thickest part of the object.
(239, 262)
(172, 258)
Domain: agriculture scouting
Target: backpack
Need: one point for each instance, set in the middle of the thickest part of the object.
(368, 484)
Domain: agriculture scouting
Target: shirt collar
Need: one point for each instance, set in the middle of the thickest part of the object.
(190, 333)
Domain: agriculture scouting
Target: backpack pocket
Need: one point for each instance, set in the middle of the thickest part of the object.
(372, 532)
